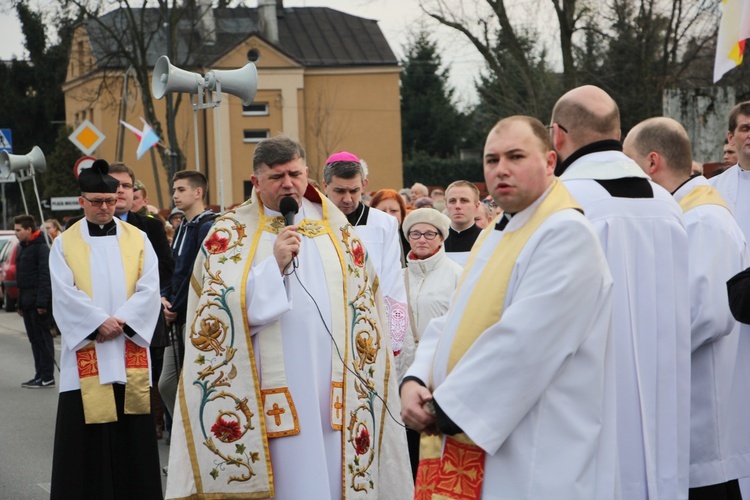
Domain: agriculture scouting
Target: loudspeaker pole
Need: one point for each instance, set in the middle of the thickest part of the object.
(170, 113)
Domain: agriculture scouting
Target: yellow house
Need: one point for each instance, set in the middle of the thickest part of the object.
(326, 78)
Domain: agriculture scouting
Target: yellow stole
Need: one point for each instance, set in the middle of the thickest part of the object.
(702, 195)
(455, 469)
(99, 400)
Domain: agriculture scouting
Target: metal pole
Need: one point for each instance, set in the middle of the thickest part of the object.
(123, 114)
(170, 108)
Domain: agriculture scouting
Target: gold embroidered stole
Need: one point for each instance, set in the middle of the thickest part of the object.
(221, 393)
(702, 195)
(454, 467)
(98, 400)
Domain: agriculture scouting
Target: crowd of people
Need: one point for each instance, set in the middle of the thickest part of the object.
(569, 335)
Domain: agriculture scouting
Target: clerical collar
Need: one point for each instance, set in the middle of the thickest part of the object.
(504, 219)
(685, 182)
(108, 229)
(461, 231)
(359, 216)
(594, 147)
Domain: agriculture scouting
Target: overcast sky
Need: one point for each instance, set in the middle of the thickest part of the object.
(397, 18)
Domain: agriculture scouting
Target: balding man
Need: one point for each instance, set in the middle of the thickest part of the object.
(641, 231)
(716, 251)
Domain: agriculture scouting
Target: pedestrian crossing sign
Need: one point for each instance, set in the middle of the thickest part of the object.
(87, 137)
(6, 140)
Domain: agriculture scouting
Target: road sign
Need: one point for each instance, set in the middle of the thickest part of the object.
(65, 203)
(87, 137)
(6, 140)
(83, 163)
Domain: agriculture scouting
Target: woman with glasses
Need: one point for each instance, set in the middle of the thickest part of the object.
(430, 278)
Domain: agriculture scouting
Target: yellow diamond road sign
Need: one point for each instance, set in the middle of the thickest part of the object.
(87, 137)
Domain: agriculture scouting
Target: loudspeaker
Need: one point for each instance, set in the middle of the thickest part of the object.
(241, 82)
(10, 164)
(168, 78)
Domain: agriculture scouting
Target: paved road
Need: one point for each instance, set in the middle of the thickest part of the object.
(27, 419)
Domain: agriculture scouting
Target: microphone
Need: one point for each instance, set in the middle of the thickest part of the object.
(288, 208)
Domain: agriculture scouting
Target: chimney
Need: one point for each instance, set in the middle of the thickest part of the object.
(269, 26)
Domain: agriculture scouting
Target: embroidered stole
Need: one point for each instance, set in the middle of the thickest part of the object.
(99, 400)
(222, 399)
(453, 466)
(702, 195)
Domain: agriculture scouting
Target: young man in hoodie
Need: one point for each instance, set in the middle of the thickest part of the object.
(189, 189)
(34, 299)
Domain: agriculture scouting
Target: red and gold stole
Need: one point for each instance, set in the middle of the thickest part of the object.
(98, 400)
(452, 467)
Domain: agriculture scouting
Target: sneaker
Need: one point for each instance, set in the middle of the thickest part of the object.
(34, 382)
(47, 383)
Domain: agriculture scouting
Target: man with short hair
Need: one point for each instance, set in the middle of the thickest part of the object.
(717, 251)
(513, 378)
(288, 373)
(344, 181)
(730, 152)
(157, 235)
(190, 189)
(641, 231)
(35, 298)
(105, 291)
(438, 198)
(462, 202)
(734, 186)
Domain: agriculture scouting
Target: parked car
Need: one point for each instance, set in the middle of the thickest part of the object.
(8, 286)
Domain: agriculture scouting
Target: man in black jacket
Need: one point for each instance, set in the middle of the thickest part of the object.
(154, 229)
(34, 299)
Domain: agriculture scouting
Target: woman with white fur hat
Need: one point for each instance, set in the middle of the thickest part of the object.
(430, 279)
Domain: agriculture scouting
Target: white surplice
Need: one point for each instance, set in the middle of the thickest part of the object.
(734, 187)
(645, 244)
(717, 251)
(77, 315)
(381, 239)
(531, 390)
(306, 465)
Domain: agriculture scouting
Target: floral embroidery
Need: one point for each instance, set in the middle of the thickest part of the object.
(216, 244)
(358, 253)
(362, 441)
(226, 430)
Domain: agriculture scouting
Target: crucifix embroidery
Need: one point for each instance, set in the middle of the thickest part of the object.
(338, 406)
(276, 412)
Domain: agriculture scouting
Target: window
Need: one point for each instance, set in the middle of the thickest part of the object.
(255, 109)
(254, 135)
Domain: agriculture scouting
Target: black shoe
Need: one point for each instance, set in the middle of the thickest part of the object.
(47, 383)
(33, 383)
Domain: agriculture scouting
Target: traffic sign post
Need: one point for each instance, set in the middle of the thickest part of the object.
(6, 140)
(87, 137)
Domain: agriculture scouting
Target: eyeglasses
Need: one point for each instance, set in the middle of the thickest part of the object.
(110, 202)
(429, 235)
(549, 127)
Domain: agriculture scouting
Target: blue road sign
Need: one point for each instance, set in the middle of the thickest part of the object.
(6, 140)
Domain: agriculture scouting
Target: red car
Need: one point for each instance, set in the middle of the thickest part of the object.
(8, 287)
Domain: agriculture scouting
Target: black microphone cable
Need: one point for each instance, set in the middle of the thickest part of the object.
(294, 263)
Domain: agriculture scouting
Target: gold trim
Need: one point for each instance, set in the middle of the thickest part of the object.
(290, 406)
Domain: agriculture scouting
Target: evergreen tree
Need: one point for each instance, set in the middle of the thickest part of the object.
(430, 122)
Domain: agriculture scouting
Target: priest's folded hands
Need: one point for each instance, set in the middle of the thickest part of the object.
(110, 329)
(416, 409)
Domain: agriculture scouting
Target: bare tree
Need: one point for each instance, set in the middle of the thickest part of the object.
(327, 130)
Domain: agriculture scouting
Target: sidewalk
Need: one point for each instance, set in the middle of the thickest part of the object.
(24, 418)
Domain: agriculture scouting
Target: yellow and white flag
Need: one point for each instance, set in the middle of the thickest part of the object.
(733, 30)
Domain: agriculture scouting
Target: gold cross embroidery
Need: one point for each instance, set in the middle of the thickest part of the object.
(276, 413)
(338, 406)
